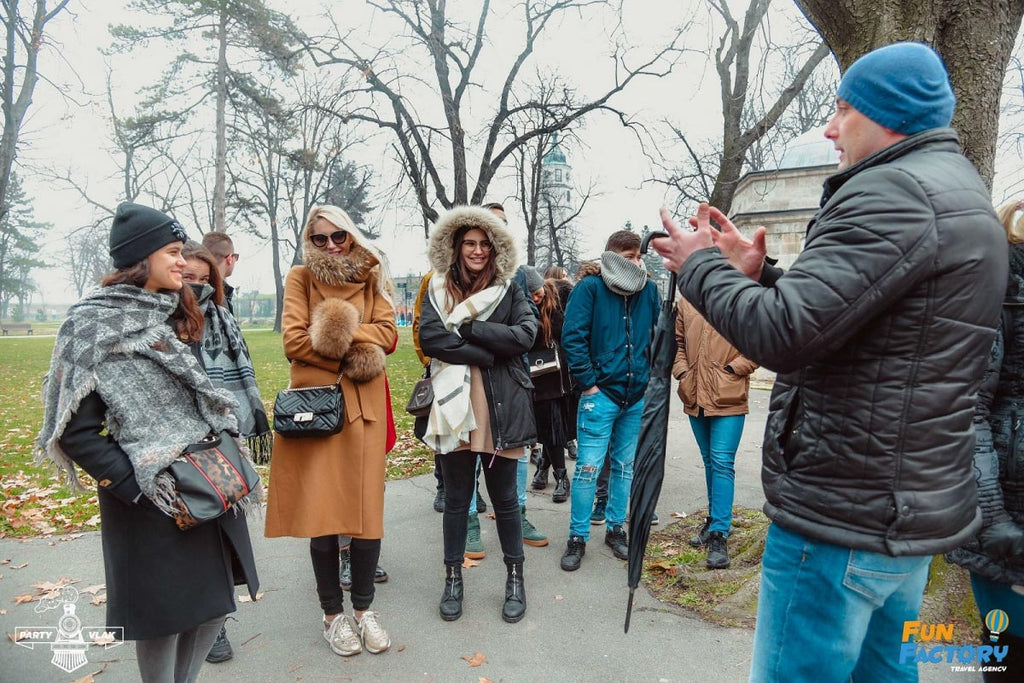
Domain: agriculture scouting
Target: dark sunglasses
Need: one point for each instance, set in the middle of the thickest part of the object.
(338, 237)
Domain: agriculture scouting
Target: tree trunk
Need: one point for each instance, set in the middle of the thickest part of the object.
(220, 170)
(975, 40)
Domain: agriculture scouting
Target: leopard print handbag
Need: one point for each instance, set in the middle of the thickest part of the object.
(210, 477)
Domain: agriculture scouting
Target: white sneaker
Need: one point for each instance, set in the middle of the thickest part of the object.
(375, 638)
(341, 635)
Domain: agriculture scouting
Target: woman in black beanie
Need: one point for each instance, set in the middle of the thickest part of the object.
(123, 398)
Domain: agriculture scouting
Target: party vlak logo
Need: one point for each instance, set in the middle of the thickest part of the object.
(68, 640)
(997, 621)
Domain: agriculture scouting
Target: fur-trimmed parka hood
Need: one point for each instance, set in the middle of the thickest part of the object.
(443, 234)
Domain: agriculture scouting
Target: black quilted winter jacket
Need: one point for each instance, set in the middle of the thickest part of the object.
(880, 333)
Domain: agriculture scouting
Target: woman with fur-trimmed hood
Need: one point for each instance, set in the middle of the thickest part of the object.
(338, 318)
(475, 326)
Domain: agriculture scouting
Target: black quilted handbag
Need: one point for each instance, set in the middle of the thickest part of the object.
(210, 477)
(309, 411)
(422, 397)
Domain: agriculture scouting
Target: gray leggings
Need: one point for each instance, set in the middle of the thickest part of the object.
(177, 658)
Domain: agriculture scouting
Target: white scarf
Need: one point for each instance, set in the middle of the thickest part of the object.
(451, 415)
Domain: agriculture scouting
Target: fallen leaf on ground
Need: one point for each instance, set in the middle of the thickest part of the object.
(19, 566)
(246, 598)
(477, 659)
(12, 636)
(93, 590)
(664, 565)
(490, 515)
(3, 612)
(89, 678)
(466, 562)
(98, 600)
(679, 515)
(484, 680)
(104, 639)
(6, 561)
(400, 648)
(559, 597)
(22, 599)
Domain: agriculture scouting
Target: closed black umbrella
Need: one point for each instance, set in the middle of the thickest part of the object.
(649, 463)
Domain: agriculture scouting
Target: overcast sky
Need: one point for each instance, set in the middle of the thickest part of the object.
(72, 131)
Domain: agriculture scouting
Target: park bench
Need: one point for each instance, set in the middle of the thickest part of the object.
(7, 328)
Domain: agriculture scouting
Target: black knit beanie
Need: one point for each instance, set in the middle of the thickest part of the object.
(138, 231)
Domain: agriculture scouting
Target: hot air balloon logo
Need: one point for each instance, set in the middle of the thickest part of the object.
(997, 621)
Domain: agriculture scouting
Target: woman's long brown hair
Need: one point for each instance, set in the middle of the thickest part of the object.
(466, 284)
(195, 250)
(186, 319)
(548, 305)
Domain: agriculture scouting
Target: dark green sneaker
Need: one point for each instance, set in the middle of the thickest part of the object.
(474, 545)
(530, 534)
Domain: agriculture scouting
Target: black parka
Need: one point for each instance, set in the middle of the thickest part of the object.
(999, 454)
(880, 333)
(495, 345)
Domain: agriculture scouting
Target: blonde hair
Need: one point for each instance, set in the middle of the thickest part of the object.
(1012, 220)
(338, 217)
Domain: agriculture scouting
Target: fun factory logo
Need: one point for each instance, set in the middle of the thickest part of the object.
(68, 640)
(933, 644)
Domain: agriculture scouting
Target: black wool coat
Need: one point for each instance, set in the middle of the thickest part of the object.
(160, 580)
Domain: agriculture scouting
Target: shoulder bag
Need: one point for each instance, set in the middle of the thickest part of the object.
(210, 477)
(310, 411)
(422, 397)
(544, 361)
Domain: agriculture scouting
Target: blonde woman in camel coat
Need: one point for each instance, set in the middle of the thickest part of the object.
(338, 317)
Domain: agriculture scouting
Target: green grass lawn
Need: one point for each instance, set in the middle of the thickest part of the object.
(35, 500)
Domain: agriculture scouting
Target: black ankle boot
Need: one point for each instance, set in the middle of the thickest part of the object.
(515, 594)
(540, 479)
(561, 492)
(451, 600)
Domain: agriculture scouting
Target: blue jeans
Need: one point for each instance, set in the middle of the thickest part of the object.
(829, 613)
(603, 426)
(522, 473)
(718, 439)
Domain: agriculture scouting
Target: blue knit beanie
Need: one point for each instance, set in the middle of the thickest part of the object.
(903, 86)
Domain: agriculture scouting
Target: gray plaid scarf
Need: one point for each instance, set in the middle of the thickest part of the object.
(621, 275)
(118, 342)
(228, 365)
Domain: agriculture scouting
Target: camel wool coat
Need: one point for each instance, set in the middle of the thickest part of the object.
(335, 484)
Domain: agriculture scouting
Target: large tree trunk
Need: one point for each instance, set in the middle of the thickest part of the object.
(974, 38)
(220, 170)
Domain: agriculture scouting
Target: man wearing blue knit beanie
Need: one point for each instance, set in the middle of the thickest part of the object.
(880, 333)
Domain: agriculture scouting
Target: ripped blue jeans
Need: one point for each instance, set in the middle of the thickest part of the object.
(603, 426)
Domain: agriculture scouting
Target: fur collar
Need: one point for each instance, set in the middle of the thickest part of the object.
(355, 266)
(441, 237)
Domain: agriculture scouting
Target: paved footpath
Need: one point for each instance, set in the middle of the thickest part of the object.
(572, 630)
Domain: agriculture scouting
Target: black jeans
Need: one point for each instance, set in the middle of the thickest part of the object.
(555, 456)
(459, 470)
(364, 554)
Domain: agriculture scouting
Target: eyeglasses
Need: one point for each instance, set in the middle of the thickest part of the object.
(485, 246)
(339, 238)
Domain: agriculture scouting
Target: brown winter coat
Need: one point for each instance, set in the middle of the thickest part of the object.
(700, 367)
(334, 315)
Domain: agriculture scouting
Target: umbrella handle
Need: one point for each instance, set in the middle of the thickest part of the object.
(650, 236)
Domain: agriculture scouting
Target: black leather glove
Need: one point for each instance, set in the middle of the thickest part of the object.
(1002, 540)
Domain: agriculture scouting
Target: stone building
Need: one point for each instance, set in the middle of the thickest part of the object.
(785, 199)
